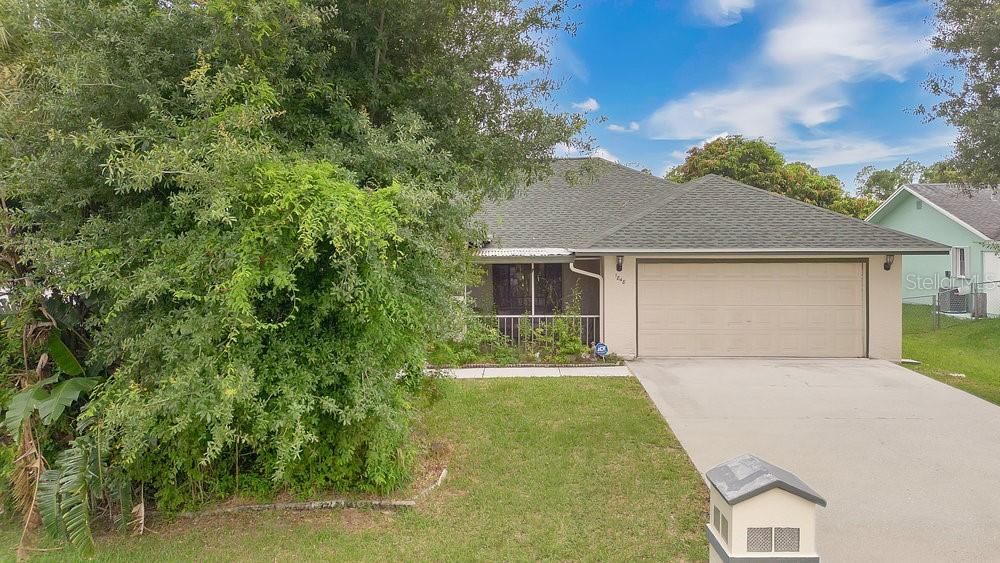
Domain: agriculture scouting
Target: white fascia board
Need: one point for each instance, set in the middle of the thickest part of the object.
(775, 251)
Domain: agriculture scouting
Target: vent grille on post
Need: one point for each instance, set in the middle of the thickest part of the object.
(786, 539)
(759, 540)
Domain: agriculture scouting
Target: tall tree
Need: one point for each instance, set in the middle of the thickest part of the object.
(968, 34)
(757, 163)
(941, 172)
(753, 161)
(880, 183)
(245, 220)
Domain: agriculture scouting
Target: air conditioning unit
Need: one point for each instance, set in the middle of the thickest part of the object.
(951, 301)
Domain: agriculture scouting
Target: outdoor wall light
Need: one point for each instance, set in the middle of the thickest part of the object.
(619, 261)
(889, 259)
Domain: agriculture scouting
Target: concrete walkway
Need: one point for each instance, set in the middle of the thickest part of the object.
(908, 465)
(596, 371)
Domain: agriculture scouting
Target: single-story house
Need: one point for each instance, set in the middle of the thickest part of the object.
(968, 222)
(712, 267)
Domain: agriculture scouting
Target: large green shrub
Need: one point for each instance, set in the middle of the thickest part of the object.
(254, 215)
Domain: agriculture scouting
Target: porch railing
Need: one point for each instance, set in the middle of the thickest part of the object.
(518, 328)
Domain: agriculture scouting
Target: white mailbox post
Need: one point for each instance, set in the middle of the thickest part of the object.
(760, 512)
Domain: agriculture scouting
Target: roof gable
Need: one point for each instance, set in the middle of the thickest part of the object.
(908, 212)
(747, 476)
(978, 210)
(718, 213)
(573, 205)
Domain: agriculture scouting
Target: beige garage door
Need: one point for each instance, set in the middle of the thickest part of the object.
(771, 309)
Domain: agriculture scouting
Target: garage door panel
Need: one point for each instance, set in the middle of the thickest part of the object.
(789, 344)
(799, 309)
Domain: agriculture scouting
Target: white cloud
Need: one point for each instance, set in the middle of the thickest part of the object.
(590, 104)
(847, 39)
(562, 150)
(754, 110)
(566, 60)
(605, 154)
(801, 79)
(840, 150)
(722, 12)
(676, 158)
(632, 127)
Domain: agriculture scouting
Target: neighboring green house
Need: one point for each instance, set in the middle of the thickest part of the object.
(967, 222)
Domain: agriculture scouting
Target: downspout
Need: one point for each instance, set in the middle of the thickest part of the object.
(600, 290)
(532, 294)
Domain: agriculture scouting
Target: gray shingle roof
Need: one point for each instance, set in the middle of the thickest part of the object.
(980, 209)
(572, 206)
(716, 213)
(613, 207)
(747, 476)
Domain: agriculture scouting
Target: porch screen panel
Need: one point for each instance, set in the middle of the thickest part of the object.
(548, 289)
(512, 289)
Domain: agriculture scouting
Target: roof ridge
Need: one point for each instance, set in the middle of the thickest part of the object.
(974, 186)
(680, 190)
(818, 208)
(634, 171)
(619, 165)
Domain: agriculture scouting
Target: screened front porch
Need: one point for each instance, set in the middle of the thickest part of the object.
(519, 297)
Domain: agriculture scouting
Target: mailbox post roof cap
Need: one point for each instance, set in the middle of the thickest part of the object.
(747, 476)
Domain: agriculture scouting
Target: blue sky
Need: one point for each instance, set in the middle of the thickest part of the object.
(830, 82)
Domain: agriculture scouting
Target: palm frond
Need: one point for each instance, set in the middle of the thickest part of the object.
(49, 507)
(64, 500)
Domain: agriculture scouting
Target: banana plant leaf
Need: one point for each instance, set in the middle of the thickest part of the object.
(22, 405)
(62, 396)
(63, 356)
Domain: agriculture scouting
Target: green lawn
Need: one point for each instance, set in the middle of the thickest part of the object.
(959, 346)
(554, 469)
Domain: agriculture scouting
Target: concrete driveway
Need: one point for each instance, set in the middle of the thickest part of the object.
(910, 467)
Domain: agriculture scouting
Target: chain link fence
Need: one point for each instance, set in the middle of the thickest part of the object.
(927, 313)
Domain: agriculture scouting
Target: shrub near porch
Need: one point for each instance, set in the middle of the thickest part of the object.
(480, 341)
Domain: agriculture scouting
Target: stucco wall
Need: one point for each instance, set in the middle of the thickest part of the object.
(885, 310)
(774, 509)
(619, 306)
(884, 306)
(716, 500)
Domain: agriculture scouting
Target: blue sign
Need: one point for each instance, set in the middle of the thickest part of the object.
(601, 349)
